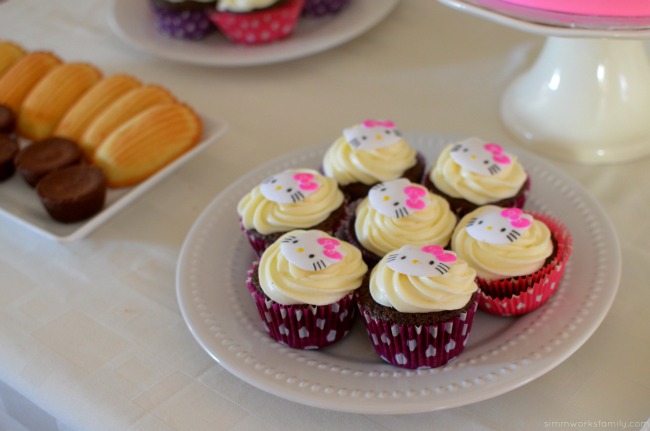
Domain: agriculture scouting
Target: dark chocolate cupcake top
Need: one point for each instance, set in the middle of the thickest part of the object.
(45, 156)
(74, 193)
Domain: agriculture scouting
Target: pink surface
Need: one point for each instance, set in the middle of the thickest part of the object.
(623, 8)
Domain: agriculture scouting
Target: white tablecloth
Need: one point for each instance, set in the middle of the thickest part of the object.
(91, 336)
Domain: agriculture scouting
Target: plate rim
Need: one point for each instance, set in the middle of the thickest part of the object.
(264, 54)
(507, 382)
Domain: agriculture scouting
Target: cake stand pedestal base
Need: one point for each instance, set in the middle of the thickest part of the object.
(583, 100)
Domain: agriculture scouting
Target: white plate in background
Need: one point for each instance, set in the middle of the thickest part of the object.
(132, 21)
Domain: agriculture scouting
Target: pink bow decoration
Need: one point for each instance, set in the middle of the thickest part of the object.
(329, 246)
(306, 181)
(515, 217)
(414, 197)
(376, 123)
(440, 253)
(497, 153)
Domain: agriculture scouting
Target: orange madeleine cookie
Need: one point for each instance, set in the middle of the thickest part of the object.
(17, 82)
(148, 142)
(92, 103)
(119, 112)
(51, 98)
(10, 53)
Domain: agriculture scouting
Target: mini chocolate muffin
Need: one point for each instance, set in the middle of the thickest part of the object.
(7, 119)
(74, 193)
(40, 158)
(8, 150)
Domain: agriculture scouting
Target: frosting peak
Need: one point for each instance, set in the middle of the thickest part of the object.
(371, 152)
(399, 212)
(310, 267)
(516, 245)
(478, 171)
(292, 199)
(422, 280)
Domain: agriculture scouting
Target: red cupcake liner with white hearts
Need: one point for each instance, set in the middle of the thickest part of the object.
(259, 26)
(303, 326)
(521, 295)
(420, 347)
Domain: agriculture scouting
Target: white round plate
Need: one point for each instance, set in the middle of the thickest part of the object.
(501, 354)
(549, 23)
(131, 20)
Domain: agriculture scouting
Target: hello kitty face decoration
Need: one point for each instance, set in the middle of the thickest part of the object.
(499, 226)
(372, 135)
(398, 198)
(427, 261)
(311, 250)
(480, 157)
(289, 187)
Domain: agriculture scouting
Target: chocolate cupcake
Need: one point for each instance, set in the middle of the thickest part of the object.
(370, 153)
(292, 199)
(74, 193)
(473, 172)
(8, 150)
(519, 257)
(418, 306)
(48, 155)
(303, 287)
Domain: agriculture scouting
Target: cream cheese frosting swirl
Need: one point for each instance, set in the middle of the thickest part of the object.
(523, 256)
(458, 182)
(368, 166)
(380, 234)
(422, 294)
(287, 283)
(267, 216)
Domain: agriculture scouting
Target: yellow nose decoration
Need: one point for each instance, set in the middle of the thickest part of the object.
(378, 137)
(386, 198)
(300, 249)
(415, 261)
(278, 187)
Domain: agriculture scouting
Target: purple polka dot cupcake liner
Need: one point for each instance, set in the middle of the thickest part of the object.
(320, 8)
(186, 24)
(303, 326)
(420, 347)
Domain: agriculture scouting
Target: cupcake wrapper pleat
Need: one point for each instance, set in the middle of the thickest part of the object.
(415, 347)
(304, 326)
(521, 295)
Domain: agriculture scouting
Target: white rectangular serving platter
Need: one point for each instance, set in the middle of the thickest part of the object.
(20, 204)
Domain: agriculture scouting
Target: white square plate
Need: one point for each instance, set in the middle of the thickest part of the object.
(19, 202)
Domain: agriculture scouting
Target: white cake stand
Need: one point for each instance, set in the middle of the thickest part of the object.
(586, 98)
